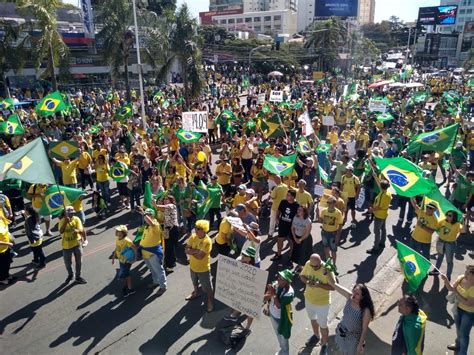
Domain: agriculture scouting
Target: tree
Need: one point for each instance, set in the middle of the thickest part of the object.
(49, 45)
(326, 38)
(159, 7)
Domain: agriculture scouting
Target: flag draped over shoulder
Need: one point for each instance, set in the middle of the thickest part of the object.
(28, 163)
(440, 140)
(64, 150)
(12, 126)
(188, 137)
(404, 176)
(442, 204)
(51, 104)
(281, 166)
(56, 197)
(414, 266)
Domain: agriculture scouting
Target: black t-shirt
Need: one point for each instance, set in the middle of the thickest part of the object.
(287, 212)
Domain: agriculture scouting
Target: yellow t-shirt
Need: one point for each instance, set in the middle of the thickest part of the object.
(465, 293)
(96, 153)
(205, 245)
(152, 236)
(316, 295)
(333, 137)
(350, 185)
(102, 172)
(224, 229)
(382, 201)
(77, 205)
(123, 158)
(120, 246)
(421, 235)
(449, 232)
(238, 199)
(84, 160)
(35, 189)
(331, 220)
(290, 180)
(223, 179)
(69, 172)
(70, 239)
(4, 236)
(304, 198)
(278, 194)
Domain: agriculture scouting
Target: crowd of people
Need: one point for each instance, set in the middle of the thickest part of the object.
(334, 175)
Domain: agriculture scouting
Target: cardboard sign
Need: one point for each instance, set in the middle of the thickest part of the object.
(195, 121)
(240, 286)
(276, 96)
(377, 106)
(260, 99)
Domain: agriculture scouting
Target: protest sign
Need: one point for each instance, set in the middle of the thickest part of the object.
(377, 106)
(319, 190)
(240, 286)
(260, 99)
(195, 121)
(328, 121)
(276, 96)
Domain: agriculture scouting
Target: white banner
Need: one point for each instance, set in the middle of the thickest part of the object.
(328, 121)
(306, 127)
(377, 106)
(260, 99)
(240, 286)
(276, 96)
(195, 121)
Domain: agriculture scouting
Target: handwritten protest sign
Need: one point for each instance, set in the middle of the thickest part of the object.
(195, 121)
(240, 286)
(276, 96)
(377, 106)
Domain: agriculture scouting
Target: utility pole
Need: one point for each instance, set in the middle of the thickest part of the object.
(140, 78)
(255, 49)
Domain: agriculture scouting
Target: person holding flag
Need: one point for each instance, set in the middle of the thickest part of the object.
(427, 223)
(36, 193)
(380, 211)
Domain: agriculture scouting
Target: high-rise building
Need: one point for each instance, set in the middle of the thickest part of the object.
(269, 5)
(366, 13)
(225, 5)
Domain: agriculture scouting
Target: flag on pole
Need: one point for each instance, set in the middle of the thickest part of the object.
(281, 166)
(385, 117)
(12, 126)
(6, 104)
(442, 204)
(28, 163)
(147, 196)
(404, 176)
(324, 175)
(440, 140)
(64, 150)
(124, 112)
(56, 197)
(414, 266)
(188, 137)
(51, 104)
(272, 127)
(303, 146)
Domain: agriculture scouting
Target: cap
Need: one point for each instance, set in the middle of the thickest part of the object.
(431, 205)
(202, 224)
(286, 275)
(240, 207)
(250, 252)
(350, 167)
(254, 226)
(122, 228)
(250, 191)
(242, 187)
(150, 211)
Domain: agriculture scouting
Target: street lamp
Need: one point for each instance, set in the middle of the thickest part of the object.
(255, 49)
(139, 63)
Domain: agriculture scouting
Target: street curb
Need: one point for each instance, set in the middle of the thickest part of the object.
(382, 285)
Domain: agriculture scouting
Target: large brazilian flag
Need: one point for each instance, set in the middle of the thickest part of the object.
(414, 266)
(56, 197)
(51, 104)
(440, 140)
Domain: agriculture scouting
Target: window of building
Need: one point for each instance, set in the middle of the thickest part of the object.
(240, 20)
(257, 28)
(267, 18)
(223, 22)
(256, 19)
(462, 11)
(277, 18)
(267, 27)
(277, 27)
(231, 20)
(468, 11)
(248, 19)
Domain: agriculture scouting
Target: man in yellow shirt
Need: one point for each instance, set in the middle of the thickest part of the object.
(303, 197)
(277, 195)
(152, 250)
(426, 224)
(350, 186)
(332, 222)
(317, 299)
(224, 174)
(223, 237)
(36, 193)
(71, 230)
(199, 248)
(68, 171)
(84, 166)
(380, 210)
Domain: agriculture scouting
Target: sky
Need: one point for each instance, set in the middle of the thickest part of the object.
(407, 10)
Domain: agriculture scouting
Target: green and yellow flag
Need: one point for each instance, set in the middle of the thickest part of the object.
(124, 112)
(119, 171)
(323, 148)
(272, 127)
(204, 200)
(385, 117)
(147, 196)
(12, 126)
(404, 176)
(28, 163)
(64, 150)
(51, 104)
(303, 146)
(442, 204)
(188, 137)
(440, 140)
(324, 176)
(6, 104)
(57, 197)
(157, 95)
(281, 166)
(414, 266)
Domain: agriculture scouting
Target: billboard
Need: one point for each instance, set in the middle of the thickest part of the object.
(437, 15)
(342, 8)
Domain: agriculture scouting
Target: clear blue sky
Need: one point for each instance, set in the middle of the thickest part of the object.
(407, 10)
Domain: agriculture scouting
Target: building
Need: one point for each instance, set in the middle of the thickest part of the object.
(366, 13)
(269, 5)
(225, 5)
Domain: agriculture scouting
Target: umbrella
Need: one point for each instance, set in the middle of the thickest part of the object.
(396, 85)
(414, 85)
(275, 73)
(381, 83)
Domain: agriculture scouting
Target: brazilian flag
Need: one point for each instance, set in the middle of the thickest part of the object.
(442, 204)
(51, 104)
(56, 197)
(324, 176)
(440, 140)
(157, 95)
(95, 129)
(12, 126)
(165, 104)
(179, 102)
(228, 114)
(414, 266)
(272, 127)
(147, 196)
(404, 176)
(323, 148)
(303, 146)
(204, 200)
(64, 150)
(385, 117)
(119, 170)
(188, 137)
(124, 112)
(298, 105)
(6, 104)
(281, 166)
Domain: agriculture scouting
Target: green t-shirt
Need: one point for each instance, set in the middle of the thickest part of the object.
(463, 189)
(458, 157)
(215, 195)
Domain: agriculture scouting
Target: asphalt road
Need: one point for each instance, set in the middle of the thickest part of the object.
(40, 315)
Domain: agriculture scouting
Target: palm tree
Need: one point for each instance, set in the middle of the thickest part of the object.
(178, 41)
(49, 45)
(325, 38)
